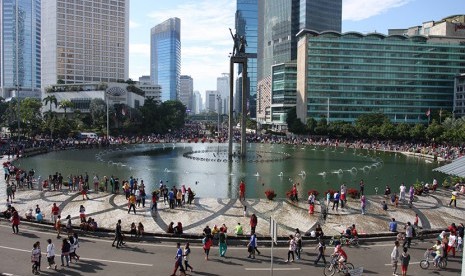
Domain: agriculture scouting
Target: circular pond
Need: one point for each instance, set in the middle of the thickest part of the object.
(206, 169)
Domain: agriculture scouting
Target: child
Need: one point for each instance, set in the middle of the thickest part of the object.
(459, 243)
(385, 207)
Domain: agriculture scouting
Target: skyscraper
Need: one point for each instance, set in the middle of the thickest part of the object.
(85, 41)
(281, 20)
(165, 57)
(222, 86)
(247, 24)
(20, 23)
(186, 89)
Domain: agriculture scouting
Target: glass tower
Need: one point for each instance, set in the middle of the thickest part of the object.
(247, 24)
(347, 75)
(20, 55)
(165, 57)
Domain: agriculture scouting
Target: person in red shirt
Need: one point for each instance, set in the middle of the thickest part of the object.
(253, 223)
(55, 212)
(341, 255)
(242, 190)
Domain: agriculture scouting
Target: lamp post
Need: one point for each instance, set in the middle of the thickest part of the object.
(218, 98)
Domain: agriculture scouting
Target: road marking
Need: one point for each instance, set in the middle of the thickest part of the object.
(88, 259)
(409, 263)
(276, 269)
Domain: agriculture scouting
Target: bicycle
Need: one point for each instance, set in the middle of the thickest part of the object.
(333, 267)
(343, 240)
(442, 263)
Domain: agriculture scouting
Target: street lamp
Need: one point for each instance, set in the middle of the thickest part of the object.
(218, 98)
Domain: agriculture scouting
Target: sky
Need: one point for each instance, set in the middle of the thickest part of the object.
(206, 41)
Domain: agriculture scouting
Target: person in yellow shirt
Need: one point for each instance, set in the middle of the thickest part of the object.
(132, 203)
(238, 230)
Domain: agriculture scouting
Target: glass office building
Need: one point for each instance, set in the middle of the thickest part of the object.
(20, 53)
(283, 85)
(347, 75)
(247, 24)
(165, 57)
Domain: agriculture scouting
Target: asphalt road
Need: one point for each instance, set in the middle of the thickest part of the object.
(157, 258)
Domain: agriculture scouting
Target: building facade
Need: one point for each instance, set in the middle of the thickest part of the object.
(186, 90)
(283, 93)
(84, 41)
(247, 25)
(211, 101)
(264, 100)
(152, 91)
(165, 57)
(343, 76)
(197, 101)
(459, 96)
(20, 48)
(222, 87)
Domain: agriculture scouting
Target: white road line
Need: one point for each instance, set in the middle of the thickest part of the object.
(274, 269)
(409, 263)
(88, 259)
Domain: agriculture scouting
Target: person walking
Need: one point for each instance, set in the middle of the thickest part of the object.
(35, 258)
(207, 244)
(298, 243)
(252, 245)
(395, 258)
(15, 221)
(51, 255)
(453, 199)
(336, 200)
(253, 223)
(154, 201)
(291, 250)
(118, 235)
(321, 247)
(363, 204)
(222, 245)
(404, 261)
(58, 226)
(74, 241)
(408, 235)
(242, 190)
(65, 249)
(187, 252)
(178, 261)
(132, 203)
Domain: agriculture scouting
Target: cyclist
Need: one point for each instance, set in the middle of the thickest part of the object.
(438, 252)
(340, 254)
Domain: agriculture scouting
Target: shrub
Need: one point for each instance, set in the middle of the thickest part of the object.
(353, 193)
(270, 194)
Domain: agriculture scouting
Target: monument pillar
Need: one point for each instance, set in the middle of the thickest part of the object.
(240, 60)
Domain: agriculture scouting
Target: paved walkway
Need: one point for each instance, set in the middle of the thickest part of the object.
(107, 208)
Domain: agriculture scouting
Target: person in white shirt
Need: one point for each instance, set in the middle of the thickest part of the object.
(452, 243)
(402, 189)
(51, 254)
(395, 257)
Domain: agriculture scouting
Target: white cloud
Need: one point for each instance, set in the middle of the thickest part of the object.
(142, 49)
(133, 24)
(356, 10)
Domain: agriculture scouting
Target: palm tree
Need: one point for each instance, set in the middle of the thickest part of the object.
(51, 99)
(65, 104)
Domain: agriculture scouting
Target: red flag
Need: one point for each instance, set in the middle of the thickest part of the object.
(428, 112)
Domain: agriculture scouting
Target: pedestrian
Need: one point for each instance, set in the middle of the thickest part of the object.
(362, 187)
(251, 245)
(143, 195)
(363, 204)
(65, 249)
(178, 261)
(384, 205)
(132, 203)
(84, 189)
(404, 261)
(74, 242)
(291, 250)
(415, 221)
(328, 199)
(35, 254)
(58, 226)
(55, 212)
(395, 258)
(242, 190)
(207, 243)
(402, 190)
(82, 212)
(154, 201)
(222, 245)
(253, 223)
(51, 255)
(321, 247)
(408, 235)
(393, 225)
(69, 226)
(187, 252)
(336, 200)
(298, 243)
(453, 199)
(15, 221)
(452, 243)
(118, 235)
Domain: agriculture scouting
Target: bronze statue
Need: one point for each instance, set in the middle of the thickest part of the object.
(236, 39)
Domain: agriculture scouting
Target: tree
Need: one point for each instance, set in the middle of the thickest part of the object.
(403, 131)
(434, 131)
(97, 109)
(366, 121)
(311, 125)
(65, 104)
(417, 132)
(49, 100)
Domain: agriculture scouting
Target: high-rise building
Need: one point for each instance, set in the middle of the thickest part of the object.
(20, 52)
(247, 25)
(197, 101)
(165, 57)
(211, 101)
(222, 86)
(279, 22)
(186, 88)
(343, 76)
(152, 91)
(85, 41)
